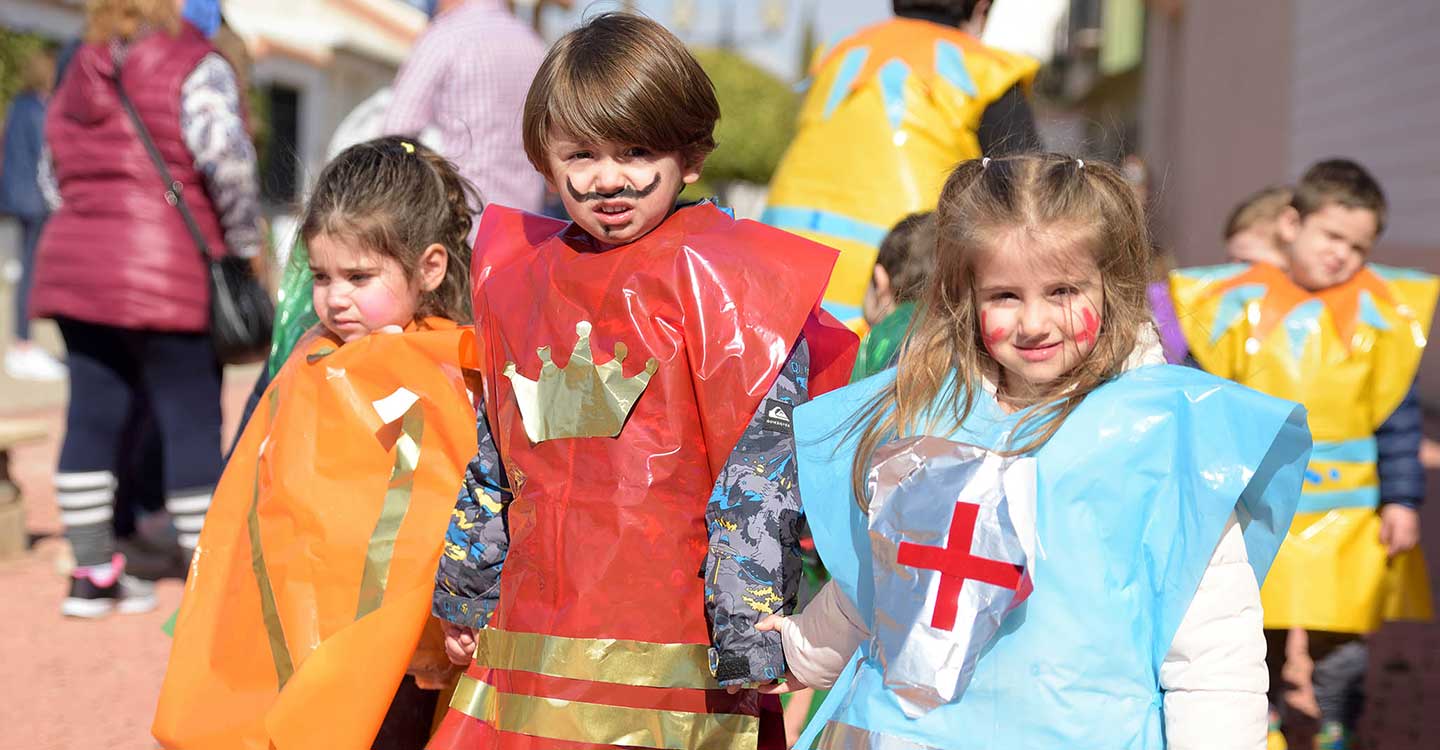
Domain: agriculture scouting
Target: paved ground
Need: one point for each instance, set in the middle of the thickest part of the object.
(70, 684)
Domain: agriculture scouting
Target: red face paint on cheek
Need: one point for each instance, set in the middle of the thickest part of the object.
(1090, 326)
(990, 336)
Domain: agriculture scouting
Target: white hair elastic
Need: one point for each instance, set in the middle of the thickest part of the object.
(1081, 162)
(985, 163)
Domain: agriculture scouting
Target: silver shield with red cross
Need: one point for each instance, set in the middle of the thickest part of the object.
(949, 564)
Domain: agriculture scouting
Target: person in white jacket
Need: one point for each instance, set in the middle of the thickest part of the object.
(1041, 535)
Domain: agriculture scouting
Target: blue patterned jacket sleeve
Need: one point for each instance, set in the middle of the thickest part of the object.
(467, 585)
(752, 568)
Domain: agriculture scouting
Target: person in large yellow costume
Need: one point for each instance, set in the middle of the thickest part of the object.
(1344, 338)
(890, 111)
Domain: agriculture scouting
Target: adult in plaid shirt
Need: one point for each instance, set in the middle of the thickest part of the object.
(467, 77)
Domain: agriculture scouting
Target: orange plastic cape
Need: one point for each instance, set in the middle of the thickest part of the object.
(310, 590)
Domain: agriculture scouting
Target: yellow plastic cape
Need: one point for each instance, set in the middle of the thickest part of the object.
(889, 114)
(310, 590)
(1349, 354)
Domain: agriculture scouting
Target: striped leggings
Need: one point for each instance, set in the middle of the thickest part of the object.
(117, 376)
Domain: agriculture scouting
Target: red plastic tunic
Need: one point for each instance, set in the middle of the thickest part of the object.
(602, 604)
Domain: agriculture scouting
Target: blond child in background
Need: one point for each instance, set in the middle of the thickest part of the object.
(1252, 233)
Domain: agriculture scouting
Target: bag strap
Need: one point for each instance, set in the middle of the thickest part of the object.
(174, 191)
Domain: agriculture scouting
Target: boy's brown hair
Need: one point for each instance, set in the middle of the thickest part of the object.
(1343, 182)
(621, 78)
(908, 254)
(1264, 205)
(958, 11)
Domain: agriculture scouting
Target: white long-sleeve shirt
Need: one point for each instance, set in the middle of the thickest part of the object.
(1214, 676)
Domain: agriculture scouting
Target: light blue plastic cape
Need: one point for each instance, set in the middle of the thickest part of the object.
(1133, 493)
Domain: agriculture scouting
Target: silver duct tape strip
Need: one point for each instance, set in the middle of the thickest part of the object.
(837, 736)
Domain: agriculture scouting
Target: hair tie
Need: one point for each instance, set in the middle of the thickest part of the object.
(985, 163)
(1081, 162)
(408, 146)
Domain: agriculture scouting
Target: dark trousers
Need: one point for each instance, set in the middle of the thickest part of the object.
(133, 392)
(1341, 661)
(29, 240)
(411, 716)
(139, 471)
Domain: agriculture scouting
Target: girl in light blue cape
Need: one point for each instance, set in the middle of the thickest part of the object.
(1041, 535)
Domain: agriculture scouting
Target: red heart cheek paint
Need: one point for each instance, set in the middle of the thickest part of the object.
(990, 336)
(1090, 327)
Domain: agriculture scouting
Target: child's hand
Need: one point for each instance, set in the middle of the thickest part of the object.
(459, 643)
(778, 687)
(779, 624)
(1399, 529)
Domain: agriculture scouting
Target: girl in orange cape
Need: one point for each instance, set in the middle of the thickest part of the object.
(308, 598)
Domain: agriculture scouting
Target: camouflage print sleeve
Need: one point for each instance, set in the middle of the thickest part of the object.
(467, 585)
(753, 565)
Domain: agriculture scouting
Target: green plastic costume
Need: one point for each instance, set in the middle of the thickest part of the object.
(878, 350)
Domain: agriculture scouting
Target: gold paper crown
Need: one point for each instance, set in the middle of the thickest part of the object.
(581, 400)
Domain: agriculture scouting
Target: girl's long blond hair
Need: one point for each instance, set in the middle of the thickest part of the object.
(1090, 205)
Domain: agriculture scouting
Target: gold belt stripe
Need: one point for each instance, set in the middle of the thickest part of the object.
(269, 612)
(663, 665)
(397, 503)
(574, 721)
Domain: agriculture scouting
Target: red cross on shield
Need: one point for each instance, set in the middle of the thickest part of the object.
(957, 564)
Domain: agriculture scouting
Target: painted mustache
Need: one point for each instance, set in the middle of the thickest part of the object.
(625, 192)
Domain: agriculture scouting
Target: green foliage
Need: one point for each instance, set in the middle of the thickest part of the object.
(15, 48)
(757, 121)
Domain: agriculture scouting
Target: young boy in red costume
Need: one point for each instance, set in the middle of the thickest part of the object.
(633, 478)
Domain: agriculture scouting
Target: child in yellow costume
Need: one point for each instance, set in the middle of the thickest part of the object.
(1344, 338)
(308, 598)
(890, 111)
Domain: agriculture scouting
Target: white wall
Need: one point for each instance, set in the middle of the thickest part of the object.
(1367, 86)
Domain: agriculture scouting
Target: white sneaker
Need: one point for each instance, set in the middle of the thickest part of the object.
(33, 363)
(95, 594)
(136, 595)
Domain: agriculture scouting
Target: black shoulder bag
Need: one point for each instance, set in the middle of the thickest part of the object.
(241, 312)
